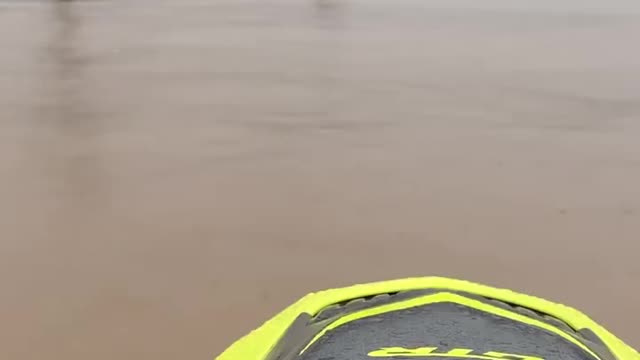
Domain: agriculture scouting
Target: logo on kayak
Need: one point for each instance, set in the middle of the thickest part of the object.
(460, 353)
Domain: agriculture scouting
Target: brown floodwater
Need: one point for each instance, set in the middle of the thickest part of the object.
(174, 172)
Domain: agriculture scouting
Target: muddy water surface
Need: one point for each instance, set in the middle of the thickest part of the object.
(173, 172)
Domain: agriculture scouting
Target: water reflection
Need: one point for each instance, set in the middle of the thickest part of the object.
(69, 118)
(331, 13)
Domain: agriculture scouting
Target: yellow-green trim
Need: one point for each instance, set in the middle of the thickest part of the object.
(446, 297)
(460, 353)
(258, 344)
